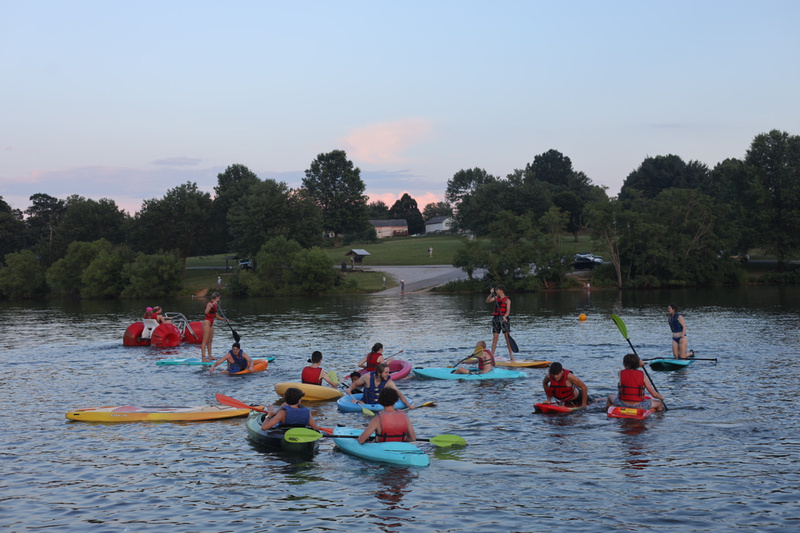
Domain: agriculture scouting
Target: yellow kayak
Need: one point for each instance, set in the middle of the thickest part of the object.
(313, 393)
(133, 413)
(518, 363)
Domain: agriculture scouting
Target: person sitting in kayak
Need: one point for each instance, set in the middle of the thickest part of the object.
(564, 387)
(314, 374)
(390, 425)
(291, 414)
(485, 361)
(373, 358)
(355, 376)
(236, 358)
(632, 385)
(374, 382)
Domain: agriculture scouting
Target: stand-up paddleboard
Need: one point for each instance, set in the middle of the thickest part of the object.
(670, 363)
(194, 361)
(133, 413)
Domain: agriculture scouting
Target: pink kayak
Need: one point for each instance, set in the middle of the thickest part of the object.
(398, 369)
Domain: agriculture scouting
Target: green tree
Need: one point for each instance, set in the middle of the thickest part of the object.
(656, 174)
(153, 276)
(44, 215)
(378, 210)
(23, 276)
(335, 185)
(464, 183)
(608, 223)
(87, 221)
(437, 209)
(312, 272)
(232, 185)
(12, 229)
(103, 277)
(64, 276)
(264, 212)
(406, 207)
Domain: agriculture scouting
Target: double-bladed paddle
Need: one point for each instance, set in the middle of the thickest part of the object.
(475, 352)
(235, 335)
(622, 329)
(364, 410)
(233, 402)
(300, 435)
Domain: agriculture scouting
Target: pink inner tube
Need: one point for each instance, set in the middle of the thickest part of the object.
(398, 369)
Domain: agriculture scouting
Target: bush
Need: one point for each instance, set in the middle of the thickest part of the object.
(153, 276)
(23, 276)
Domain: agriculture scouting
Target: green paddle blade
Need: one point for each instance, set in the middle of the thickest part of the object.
(445, 441)
(300, 435)
(333, 377)
(620, 325)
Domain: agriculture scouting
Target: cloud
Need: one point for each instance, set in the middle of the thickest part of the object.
(177, 161)
(386, 142)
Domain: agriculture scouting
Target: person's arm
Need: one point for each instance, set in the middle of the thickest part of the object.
(651, 389)
(312, 423)
(218, 361)
(411, 436)
(545, 386)
(575, 380)
(372, 427)
(683, 323)
(490, 298)
(508, 309)
(363, 362)
(400, 394)
(271, 422)
(325, 377)
(355, 383)
(249, 361)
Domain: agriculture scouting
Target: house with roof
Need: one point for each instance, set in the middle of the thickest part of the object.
(438, 224)
(390, 228)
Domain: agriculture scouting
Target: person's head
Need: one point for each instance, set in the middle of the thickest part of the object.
(387, 397)
(482, 344)
(157, 309)
(316, 357)
(149, 309)
(377, 348)
(355, 376)
(293, 395)
(500, 289)
(672, 308)
(214, 296)
(631, 361)
(555, 369)
(236, 347)
(382, 370)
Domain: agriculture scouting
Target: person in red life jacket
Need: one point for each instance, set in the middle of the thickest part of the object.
(632, 385)
(159, 316)
(211, 312)
(564, 387)
(148, 313)
(374, 382)
(236, 358)
(291, 413)
(390, 425)
(500, 321)
(314, 374)
(485, 361)
(373, 358)
(678, 327)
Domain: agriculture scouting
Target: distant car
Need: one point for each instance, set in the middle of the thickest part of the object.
(245, 264)
(586, 261)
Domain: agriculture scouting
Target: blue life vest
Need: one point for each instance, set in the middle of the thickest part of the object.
(372, 391)
(295, 416)
(239, 363)
(674, 324)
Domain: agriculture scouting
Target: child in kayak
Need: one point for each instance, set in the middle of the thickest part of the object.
(485, 361)
(632, 384)
(355, 376)
(236, 358)
(291, 413)
(374, 383)
(390, 425)
(313, 374)
(564, 387)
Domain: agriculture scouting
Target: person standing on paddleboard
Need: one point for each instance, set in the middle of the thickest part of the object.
(565, 387)
(500, 321)
(678, 326)
(211, 312)
(632, 384)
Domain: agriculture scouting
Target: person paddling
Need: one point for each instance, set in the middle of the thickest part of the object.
(291, 413)
(564, 387)
(373, 358)
(485, 361)
(390, 425)
(500, 320)
(374, 382)
(313, 374)
(236, 358)
(211, 312)
(632, 384)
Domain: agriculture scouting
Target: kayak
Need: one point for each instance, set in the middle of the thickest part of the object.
(521, 363)
(630, 412)
(193, 361)
(554, 408)
(347, 405)
(259, 365)
(273, 437)
(670, 363)
(313, 393)
(396, 453)
(133, 413)
(398, 369)
(447, 373)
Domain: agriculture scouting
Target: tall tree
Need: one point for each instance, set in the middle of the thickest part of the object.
(406, 207)
(437, 209)
(12, 229)
(662, 172)
(44, 214)
(464, 183)
(378, 210)
(335, 185)
(88, 220)
(232, 185)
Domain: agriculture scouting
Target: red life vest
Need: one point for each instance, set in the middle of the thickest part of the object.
(372, 361)
(484, 361)
(631, 385)
(394, 427)
(502, 306)
(311, 375)
(561, 390)
(212, 314)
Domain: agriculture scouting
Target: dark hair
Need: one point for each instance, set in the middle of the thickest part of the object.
(381, 367)
(387, 397)
(316, 357)
(674, 307)
(377, 347)
(236, 345)
(631, 361)
(355, 375)
(500, 287)
(293, 395)
(214, 295)
(555, 368)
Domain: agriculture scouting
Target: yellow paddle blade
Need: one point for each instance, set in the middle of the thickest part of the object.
(333, 377)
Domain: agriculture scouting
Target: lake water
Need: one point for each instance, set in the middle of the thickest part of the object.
(724, 457)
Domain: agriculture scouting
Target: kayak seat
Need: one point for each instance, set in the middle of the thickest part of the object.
(149, 326)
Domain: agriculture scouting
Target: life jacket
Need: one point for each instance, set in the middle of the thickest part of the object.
(311, 375)
(501, 307)
(561, 390)
(372, 391)
(295, 416)
(482, 362)
(674, 323)
(631, 385)
(239, 363)
(372, 361)
(394, 427)
(212, 314)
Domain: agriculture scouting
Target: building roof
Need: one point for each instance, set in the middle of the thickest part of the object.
(436, 220)
(390, 223)
(357, 251)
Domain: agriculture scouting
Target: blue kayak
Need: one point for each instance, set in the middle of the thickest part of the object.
(447, 373)
(396, 453)
(670, 363)
(194, 361)
(347, 405)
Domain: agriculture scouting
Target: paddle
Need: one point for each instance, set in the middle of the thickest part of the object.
(622, 329)
(475, 352)
(504, 325)
(235, 335)
(301, 435)
(387, 358)
(364, 410)
(687, 359)
(233, 402)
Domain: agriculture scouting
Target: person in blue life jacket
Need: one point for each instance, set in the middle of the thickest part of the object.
(373, 383)
(390, 425)
(291, 413)
(236, 358)
(680, 343)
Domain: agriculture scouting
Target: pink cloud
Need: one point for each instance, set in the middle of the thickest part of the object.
(422, 199)
(385, 142)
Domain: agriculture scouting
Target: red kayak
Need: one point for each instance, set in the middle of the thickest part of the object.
(630, 412)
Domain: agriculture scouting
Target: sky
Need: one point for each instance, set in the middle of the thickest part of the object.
(126, 100)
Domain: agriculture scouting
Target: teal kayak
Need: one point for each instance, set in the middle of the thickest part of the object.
(447, 373)
(396, 453)
(670, 363)
(193, 361)
(347, 405)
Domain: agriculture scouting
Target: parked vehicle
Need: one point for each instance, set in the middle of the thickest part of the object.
(586, 261)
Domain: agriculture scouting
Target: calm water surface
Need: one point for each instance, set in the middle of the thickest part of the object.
(723, 457)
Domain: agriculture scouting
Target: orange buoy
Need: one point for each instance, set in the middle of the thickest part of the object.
(582, 317)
